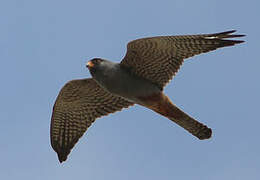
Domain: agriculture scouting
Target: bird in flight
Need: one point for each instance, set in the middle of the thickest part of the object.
(149, 64)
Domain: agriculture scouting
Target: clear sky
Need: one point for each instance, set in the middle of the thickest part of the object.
(44, 44)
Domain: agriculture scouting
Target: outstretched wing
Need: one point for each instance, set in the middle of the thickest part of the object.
(77, 106)
(159, 58)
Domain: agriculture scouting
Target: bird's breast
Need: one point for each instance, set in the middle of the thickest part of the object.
(127, 85)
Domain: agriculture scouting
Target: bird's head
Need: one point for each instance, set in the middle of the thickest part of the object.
(99, 67)
(94, 65)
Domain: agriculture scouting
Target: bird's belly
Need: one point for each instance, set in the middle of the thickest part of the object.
(131, 87)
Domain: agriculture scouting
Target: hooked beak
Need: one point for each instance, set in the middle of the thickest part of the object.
(90, 64)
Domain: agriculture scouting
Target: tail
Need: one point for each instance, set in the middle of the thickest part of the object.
(165, 107)
(196, 128)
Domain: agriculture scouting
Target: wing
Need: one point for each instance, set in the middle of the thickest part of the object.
(77, 106)
(159, 58)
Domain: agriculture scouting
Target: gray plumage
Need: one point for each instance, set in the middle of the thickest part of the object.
(106, 73)
(149, 64)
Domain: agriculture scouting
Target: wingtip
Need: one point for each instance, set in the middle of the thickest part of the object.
(224, 38)
(229, 34)
(62, 158)
(233, 31)
(239, 41)
(62, 153)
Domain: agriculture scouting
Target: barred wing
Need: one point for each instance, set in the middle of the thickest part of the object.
(159, 58)
(77, 106)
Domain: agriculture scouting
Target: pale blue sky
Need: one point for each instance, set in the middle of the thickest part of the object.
(44, 44)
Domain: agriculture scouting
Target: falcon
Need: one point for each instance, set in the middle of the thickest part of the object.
(149, 64)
